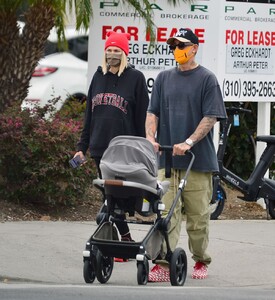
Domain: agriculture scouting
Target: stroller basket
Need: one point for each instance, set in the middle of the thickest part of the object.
(106, 238)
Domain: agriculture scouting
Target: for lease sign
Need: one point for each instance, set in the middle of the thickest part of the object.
(237, 41)
(247, 69)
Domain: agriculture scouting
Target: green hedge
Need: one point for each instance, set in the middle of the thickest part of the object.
(36, 146)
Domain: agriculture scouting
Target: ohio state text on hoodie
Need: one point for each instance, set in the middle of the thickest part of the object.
(115, 106)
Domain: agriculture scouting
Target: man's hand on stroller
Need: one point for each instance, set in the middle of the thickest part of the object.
(180, 149)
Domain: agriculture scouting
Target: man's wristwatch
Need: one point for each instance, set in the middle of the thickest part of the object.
(189, 142)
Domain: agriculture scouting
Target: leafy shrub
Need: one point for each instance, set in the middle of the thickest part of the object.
(73, 108)
(36, 146)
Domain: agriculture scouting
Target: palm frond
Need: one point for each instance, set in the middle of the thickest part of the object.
(143, 8)
(177, 2)
(83, 13)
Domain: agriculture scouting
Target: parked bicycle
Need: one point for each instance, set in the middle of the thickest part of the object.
(256, 186)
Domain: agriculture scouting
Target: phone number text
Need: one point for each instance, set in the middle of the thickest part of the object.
(239, 89)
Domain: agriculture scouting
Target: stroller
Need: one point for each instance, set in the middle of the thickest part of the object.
(129, 179)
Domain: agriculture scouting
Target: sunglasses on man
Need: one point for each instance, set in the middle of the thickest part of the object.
(180, 46)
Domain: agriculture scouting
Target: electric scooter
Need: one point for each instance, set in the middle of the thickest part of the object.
(256, 186)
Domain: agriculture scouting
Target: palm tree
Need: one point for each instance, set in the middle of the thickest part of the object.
(20, 52)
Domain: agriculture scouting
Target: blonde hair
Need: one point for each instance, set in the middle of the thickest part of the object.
(123, 64)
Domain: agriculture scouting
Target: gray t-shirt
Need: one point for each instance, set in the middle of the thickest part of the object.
(180, 100)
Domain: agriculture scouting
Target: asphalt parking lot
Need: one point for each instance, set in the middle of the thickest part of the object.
(51, 252)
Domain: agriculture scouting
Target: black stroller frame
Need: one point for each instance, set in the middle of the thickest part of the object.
(124, 196)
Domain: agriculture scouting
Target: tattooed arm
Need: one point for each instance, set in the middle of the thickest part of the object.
(205, 125)
(151, 125)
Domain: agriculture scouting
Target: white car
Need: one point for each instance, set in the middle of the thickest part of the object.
(60, 74)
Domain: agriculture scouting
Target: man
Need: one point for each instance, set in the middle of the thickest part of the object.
(185, 104)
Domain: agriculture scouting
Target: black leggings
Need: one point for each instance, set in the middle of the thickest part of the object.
(122, 227)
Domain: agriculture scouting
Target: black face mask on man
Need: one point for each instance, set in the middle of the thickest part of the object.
(113, 59)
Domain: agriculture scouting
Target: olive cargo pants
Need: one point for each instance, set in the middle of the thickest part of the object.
(194, 204)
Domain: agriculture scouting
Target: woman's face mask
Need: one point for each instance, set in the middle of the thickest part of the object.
(113, 59)
(184, 55)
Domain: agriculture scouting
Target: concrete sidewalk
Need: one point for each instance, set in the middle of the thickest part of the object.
(243, 254)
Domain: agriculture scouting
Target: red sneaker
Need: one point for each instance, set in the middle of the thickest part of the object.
(199, 271)
(117, 259)
(158, 274)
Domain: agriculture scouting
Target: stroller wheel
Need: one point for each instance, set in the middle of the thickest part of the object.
(142, 272)
(104, 267)
(178, 267)
(89, 270)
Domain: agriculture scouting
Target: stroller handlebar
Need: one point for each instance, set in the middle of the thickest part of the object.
(170, 148)
(165, 148)
(168, 159)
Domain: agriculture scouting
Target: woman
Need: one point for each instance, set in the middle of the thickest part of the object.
(116, 105)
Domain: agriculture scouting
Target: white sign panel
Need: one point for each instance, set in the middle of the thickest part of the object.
(252, 59)
(237, 41)
(247, 50)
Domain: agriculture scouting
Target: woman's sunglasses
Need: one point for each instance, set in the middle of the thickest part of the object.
(180, 46)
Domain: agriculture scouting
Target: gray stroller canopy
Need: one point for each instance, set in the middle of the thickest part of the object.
(130, 158)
